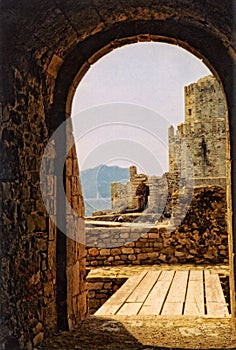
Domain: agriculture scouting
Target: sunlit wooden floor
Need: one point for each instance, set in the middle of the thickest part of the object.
(189, 292)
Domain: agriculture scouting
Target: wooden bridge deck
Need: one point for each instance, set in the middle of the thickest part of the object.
(189, 292)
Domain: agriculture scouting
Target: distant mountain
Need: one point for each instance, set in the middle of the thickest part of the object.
(96, 182)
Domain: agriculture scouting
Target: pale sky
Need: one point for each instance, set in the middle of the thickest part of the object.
(127, 100)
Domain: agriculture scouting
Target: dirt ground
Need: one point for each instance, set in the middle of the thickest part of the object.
(146, 333)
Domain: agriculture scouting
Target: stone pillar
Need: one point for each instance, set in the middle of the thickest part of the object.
(132, 171)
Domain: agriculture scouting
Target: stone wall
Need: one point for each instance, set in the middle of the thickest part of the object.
(28, 240)
(42, 271)
(200, 237)
(76, 288)
(100, 289)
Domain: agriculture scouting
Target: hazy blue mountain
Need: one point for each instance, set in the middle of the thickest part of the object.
(96, 184)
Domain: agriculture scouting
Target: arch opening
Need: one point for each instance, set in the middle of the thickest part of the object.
(198, 136)
(95, 56)
(46, 45)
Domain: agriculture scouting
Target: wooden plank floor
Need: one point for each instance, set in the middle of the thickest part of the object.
(188, 292)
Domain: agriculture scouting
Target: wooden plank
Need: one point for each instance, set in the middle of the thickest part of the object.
(215, 300)
(178, 287)
(154, 302)
(194, 304)
(171, 309)
(141, 292)
(196, 275)
(176, 296)
(129, 309)
(166, 275)
(115, 302)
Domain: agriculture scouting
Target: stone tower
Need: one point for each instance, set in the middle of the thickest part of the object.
(198, 148)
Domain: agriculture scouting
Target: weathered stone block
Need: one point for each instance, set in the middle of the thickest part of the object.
(162, 257)
(144, 235)
(132, 257)
(101, 295)
(146, 250)
(223, 252)
(158, 245)
(94, 304)
(168, 251)
(93, 252)
(130, 244)
(118, 262)
(91, 294)
(108, 285)
(153, 235)
(140, 244)
(179, 254)
(95, 286)
(127, 250)
(142, 256)
(115, 251)
(153, 255)
(124, 235)
(105, 252)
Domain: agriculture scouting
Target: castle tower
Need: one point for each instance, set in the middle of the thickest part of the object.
(204, 100)
(198, 149)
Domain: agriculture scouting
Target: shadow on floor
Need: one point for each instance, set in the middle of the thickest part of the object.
(109, 334)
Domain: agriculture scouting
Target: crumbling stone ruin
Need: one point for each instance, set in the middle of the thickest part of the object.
(200, 237)
(196, 154)
(187, 204)
(130, 197)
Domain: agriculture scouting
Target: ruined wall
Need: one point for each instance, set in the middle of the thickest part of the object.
(124, 199)
(200, 237)
(198, 149)
(160, 198)
(120, 196)
(123, 195)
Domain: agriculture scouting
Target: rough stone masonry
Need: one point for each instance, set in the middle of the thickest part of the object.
(200, 237)
(46, 48)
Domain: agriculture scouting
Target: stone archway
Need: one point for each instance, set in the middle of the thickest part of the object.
(144, 36)
(47, 48)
